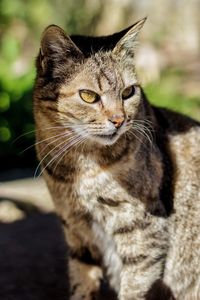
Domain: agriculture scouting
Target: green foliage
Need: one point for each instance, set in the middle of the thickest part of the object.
(167, 93)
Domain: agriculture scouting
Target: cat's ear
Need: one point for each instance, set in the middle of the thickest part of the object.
(57, 47)
(125, 48)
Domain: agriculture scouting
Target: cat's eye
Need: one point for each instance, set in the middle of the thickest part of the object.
(89, 96)
(128, 92)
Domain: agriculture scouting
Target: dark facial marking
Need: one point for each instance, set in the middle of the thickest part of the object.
(126, 260)
(132, 227)
(102, 72)
(107, 201)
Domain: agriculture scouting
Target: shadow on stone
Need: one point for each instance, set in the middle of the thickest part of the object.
(33, 260)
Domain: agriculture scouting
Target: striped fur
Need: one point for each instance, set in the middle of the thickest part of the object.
(128, 197)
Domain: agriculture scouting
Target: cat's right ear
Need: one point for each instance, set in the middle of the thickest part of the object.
(125, 47)
(57, 48)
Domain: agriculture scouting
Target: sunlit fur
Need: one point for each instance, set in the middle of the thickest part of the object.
(124, 175)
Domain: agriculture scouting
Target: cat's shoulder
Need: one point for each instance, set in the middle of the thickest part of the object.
(182, 132)
(175, 123)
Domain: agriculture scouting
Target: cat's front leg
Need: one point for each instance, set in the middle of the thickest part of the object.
(84, 280)
(142, 248)
(85, 273)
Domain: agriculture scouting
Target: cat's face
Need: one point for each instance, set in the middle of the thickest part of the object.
(97, 96)
(101, 100)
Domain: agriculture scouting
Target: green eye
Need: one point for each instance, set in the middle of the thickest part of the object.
(89, 96)
(128, 92)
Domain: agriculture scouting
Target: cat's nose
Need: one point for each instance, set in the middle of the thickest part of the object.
(117, 120)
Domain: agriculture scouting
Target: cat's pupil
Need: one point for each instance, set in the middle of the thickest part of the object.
(128, 92)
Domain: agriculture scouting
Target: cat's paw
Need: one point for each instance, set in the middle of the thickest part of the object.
(85, 281)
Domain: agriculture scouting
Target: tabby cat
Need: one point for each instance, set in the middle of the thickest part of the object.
(123, 174)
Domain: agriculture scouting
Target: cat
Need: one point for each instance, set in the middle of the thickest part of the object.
(124, 175)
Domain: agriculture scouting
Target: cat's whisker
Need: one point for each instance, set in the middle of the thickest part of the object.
(73, 142)
(64, 135)
(77, 143)
(143, 133)
(22, 135)
(146, 123)
(135, 135)
(41, 161)
(53, 149)
(145, 130)
(80, 138)
(32, 131)
(42, 141)
(143, 124)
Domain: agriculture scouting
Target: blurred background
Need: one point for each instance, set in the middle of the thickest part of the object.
(168, 59)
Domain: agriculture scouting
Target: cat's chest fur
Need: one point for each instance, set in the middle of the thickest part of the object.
(95, 181)
(101, 190)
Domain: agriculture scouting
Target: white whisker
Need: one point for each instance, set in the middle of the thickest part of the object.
(66, 134)
(42, 141)
(73, 142)
(76, 143)
(135, 136)
(46, 157)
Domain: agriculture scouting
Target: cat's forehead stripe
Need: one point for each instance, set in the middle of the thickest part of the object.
(98, 80)
(107, 70)
(102, 72)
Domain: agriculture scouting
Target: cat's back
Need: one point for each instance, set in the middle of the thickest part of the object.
(182, 141)
(182, 136)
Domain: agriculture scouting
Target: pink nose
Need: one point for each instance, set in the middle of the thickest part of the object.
(117, 120)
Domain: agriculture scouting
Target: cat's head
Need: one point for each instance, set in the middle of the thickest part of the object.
(89, 84)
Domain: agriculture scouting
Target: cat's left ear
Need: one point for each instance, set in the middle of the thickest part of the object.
(125, 48)
(57, 48)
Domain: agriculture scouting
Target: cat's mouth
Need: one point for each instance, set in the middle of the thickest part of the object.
(106, 139)
(106, 136)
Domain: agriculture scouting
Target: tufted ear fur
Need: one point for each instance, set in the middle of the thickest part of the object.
(125, 48)
(57, 48)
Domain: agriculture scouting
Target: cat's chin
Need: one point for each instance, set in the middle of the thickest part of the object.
(106, 140)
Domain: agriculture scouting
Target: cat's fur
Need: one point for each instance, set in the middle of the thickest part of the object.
(129, 203)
